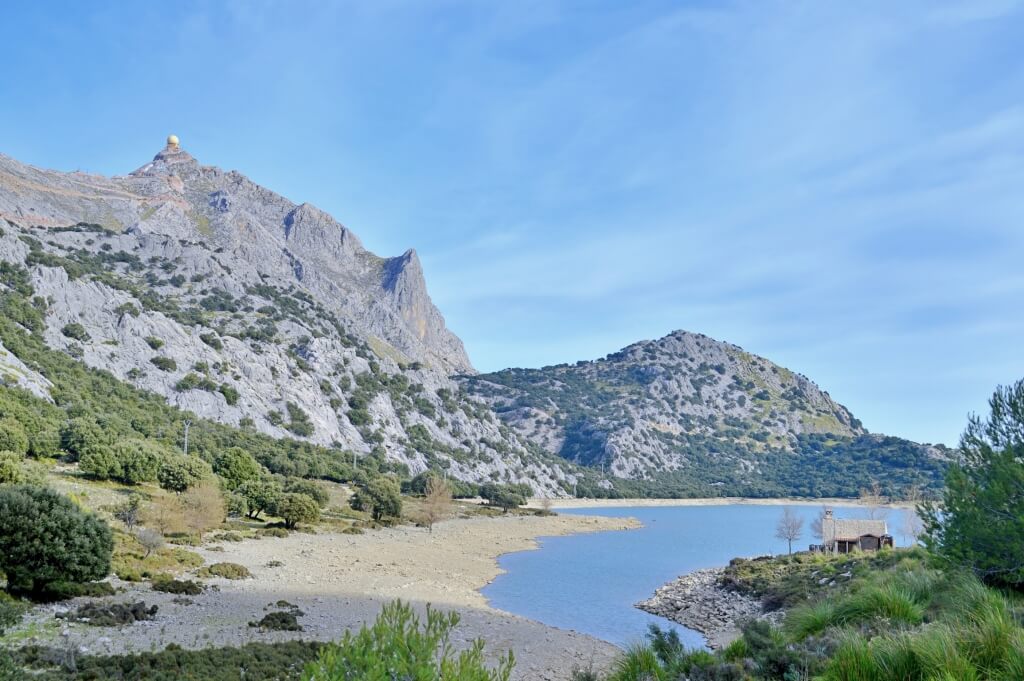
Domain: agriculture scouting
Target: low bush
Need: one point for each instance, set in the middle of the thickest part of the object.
(252, 662)
(279, 621)
(278, 532)
(112, 614)
(181, 587)
(225, 570)
(11, 611)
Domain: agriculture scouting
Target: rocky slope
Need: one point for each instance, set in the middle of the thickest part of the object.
(696, 407)
(243, 307)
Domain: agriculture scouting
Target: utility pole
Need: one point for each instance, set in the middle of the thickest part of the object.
(188, 424)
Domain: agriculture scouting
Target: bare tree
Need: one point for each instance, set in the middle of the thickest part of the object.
(203, 508)
(818, 524)
(790, 527)
(545, 506)
(151, 540)
(874, 502)
(165, 515)
(912, 527)
(128, 511)
(438, 501)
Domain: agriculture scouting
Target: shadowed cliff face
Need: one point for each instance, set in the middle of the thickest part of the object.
(260, 232)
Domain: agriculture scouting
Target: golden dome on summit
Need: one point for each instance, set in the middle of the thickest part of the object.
(172, 140)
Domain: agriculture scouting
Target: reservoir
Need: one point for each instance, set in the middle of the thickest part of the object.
(589, 582)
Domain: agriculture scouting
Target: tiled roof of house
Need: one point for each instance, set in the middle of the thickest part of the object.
(833, 529)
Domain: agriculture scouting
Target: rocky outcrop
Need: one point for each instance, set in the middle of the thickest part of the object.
(242, 307)
(256, 232)
(699, 602)
(707, 412)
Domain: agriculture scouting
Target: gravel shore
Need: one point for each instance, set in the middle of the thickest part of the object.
(340, 582)
(696, 601)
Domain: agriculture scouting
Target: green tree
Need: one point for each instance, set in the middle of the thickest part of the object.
(260, 495)
(380, 497)
(235, 466)
(295, 508)
(178, 473)
(980, 522)
(45, 539)
(310, 488)
(139, 460)
(100, 463)
(506, 497)
(81, 435)
(398, 646)
(13, 437)
(45, 443)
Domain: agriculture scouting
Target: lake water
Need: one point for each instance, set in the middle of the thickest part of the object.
(589, 582)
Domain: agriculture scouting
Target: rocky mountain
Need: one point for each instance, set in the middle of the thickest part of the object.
(244, 308)
(702, 412)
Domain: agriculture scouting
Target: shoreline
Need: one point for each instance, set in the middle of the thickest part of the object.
(709, 501)
(340, 581)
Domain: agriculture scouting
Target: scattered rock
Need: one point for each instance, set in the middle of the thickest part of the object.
(699, 602)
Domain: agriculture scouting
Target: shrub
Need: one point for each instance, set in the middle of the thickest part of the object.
(398, 646)
(154, 342)
(82, 435)
(11, 471)
(75, 331)
(226, 570)
(13, 437)
(229, 392)
(295, 508)
(260, 662)
(139, 460)
(11, 612)
(380, 497)
(182, 587)
(278, 621)
(113, 614)
(164, 363)
(212, 340)
(130, 461)
(45, 443)
(45, 538)
(277, 532)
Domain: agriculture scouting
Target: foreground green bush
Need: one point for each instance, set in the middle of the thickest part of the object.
(46, 539)
(252, 662)
(980, 522)
(398, 647)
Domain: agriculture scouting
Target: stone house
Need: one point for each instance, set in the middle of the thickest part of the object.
(844, 536)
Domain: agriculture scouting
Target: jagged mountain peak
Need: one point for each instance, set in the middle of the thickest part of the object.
(257, 232)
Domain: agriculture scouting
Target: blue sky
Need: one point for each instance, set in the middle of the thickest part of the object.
(837, 186)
